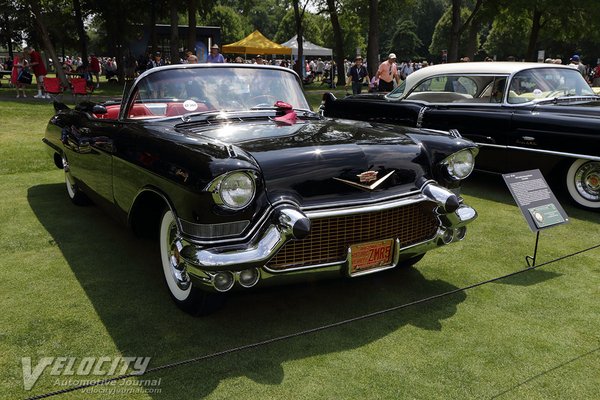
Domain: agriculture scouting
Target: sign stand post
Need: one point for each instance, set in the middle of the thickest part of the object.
(537, 204)
(531, 260)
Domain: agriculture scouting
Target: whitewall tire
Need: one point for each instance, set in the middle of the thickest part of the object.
(181, 288)
(583, 183)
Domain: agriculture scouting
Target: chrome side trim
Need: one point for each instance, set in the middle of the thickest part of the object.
(550, 152)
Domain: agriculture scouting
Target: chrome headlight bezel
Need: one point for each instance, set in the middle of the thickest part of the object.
(461, 164)
(222, 187)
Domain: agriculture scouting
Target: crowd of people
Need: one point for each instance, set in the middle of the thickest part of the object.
(390, 73)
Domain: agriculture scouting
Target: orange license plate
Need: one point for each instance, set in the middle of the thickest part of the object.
(366, 256)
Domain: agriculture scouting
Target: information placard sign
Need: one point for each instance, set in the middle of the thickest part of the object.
(535, 199)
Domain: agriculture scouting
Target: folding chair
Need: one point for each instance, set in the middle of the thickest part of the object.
(53, 87)
(79, 87)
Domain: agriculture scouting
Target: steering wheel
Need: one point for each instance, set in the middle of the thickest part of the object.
(263, 100)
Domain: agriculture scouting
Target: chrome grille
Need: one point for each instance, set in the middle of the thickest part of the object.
(213, 231)
(330, 237)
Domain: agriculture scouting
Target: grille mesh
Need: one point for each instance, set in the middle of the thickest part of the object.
(330, 237)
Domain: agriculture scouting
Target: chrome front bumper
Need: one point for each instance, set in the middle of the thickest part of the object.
(287, 223)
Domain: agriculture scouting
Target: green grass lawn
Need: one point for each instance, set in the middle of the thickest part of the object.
(74, 283)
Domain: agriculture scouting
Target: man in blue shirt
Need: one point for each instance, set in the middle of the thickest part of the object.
(356, 75)
(215, 56)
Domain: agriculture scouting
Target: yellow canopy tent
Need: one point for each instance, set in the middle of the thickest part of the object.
(255, 43)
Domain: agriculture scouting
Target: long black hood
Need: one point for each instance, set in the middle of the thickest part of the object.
(317, 161)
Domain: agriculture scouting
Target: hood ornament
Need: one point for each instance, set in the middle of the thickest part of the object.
(365, 178)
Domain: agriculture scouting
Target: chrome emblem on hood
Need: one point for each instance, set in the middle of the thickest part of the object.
(365, 178)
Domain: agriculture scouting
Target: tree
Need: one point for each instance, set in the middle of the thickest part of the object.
(373, 38)
(404, 41)
(508, 35)
(49, 47)
(81, 32)
(311, 26)
(298, 17)
(468, 40)
(191, 38)
(174, 41)
(338, 48)
(457, 27)
(231, 23)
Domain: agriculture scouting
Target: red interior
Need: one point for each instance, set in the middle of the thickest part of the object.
(140, 110)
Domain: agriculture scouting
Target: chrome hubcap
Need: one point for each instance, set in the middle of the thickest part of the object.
(587, 180)
(178, 270)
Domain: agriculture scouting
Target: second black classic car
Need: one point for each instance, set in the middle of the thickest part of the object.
(521, 115)
(244, 185)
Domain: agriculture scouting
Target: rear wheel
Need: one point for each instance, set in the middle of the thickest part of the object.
(75, 194)
(187, 297)
(583, 183)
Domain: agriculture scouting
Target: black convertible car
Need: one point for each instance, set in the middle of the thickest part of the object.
(244, 185)
(521, 115)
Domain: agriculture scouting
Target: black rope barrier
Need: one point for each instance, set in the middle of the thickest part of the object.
(304, 332)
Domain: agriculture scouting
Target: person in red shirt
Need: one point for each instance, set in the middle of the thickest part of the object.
(95, 68)
(39, 69)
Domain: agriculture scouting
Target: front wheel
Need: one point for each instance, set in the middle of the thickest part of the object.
(583, 183)
(181, 288)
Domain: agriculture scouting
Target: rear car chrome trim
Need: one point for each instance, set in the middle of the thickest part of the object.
(550, 152)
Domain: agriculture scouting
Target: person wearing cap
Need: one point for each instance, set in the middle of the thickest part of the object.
(387, 73)
(357, 75)
(156, 61)
(215, 56)
(576, 63)
(259, 60)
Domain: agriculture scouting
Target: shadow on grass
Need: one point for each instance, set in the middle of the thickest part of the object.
(530, 278)
(123, 281)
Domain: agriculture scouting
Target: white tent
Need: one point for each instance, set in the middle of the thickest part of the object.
(309, 49)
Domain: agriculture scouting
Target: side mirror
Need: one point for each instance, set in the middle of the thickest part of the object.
(98, 109)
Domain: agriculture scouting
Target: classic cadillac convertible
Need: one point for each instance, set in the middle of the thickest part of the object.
(521, 115)
(244, 185)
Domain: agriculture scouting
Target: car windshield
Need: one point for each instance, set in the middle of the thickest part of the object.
(547, 83)
(175, 92)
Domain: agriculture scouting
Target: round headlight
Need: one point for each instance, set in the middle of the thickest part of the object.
(237, 190)
(460, 165)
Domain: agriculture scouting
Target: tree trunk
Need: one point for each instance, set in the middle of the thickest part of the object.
(34, 5)
(153, 40)
(471, 49)
(454, 31)
(339, 42)
(373, 39)
(81, 32)
(533, 36)
(299, 67)
(8, 31)
(174, 33)
(191, 37)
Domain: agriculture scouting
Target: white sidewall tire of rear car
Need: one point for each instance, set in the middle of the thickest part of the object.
(574, 184)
